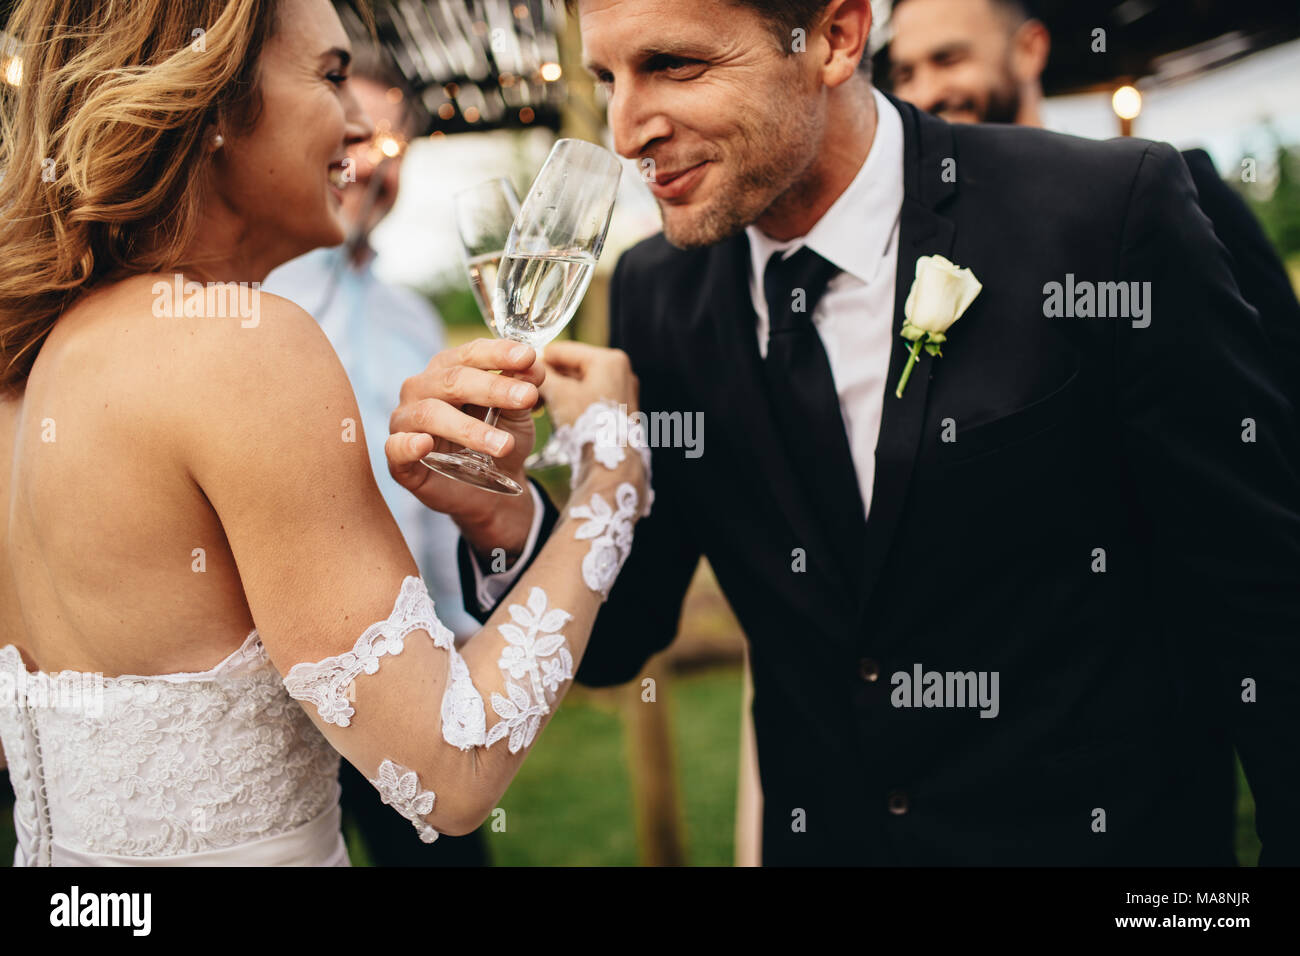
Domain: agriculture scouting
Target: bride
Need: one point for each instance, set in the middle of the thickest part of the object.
(188, 520)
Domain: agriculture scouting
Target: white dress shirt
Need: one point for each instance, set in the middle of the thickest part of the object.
(859, 234)
(489, 588)
(854, 318)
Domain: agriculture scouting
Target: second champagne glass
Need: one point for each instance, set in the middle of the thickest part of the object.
(550, 255)
(485, 215)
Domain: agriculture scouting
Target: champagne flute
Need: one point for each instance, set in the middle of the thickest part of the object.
(484, 216)
(550, 255)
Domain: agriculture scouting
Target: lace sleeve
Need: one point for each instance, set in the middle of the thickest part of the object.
(442, 765)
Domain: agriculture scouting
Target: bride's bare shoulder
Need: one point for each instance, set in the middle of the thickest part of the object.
(160, 329)
(185, 354)
(170, 309)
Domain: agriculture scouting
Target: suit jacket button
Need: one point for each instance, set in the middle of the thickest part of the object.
(868, 670)
(897, 802)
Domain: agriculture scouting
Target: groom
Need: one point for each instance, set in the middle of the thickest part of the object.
(995, 620)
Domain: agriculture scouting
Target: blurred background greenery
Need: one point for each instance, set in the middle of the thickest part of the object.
(1275, 199)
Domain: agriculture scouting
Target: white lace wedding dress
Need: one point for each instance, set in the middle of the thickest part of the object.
(214, 768)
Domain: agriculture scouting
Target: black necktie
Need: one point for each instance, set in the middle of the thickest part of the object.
(806, 406)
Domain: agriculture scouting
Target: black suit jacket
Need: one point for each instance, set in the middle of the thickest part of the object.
(1259, 272)
(1076, 439)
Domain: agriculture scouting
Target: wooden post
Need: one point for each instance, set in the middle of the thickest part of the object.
(653, 769)
(749, 792)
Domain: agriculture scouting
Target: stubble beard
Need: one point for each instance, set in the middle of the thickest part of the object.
(1003, 103)
(782, 149)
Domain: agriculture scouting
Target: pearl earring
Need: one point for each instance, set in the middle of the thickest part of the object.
(218, 141)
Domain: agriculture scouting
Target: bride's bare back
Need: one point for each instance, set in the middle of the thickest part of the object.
(111, 557)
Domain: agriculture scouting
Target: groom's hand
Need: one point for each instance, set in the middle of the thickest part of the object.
(442, 409)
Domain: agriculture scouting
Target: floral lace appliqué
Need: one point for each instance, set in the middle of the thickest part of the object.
(399, 787)
(325, 683)
(537, 656)
(609, 430)
(464, 723)
(610, 533)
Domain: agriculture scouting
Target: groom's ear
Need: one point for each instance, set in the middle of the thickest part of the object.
(844, 27)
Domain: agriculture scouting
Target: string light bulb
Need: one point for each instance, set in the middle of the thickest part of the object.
(1127, 103)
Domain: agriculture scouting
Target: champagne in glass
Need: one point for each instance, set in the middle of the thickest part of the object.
(537, 295)
(541, 281)
(483, 271)
(550, 253)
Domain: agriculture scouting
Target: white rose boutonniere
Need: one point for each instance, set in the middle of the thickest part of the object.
(940, 293)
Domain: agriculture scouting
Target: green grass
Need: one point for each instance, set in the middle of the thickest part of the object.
(1247, 841)
(571, 802)
(709, 762)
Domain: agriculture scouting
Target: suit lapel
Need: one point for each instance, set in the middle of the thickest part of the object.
(923, 231)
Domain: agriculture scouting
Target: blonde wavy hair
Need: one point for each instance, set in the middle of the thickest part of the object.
(102, 144)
